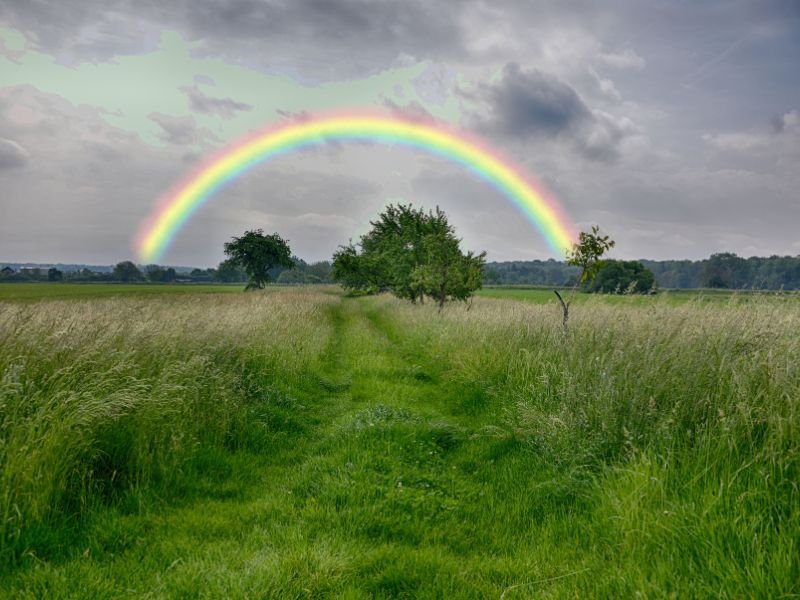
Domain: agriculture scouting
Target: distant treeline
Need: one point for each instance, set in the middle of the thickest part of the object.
(724, 270)
(128, 272)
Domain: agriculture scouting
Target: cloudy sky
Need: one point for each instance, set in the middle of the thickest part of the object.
(674, 125)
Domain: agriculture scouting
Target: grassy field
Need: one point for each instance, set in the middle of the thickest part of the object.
(39, 291)
(298, 444)
(543, 295)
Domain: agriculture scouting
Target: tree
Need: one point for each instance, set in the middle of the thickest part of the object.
(492, 277)
(349, 269)
(127, 271)
(622, 276)
(54, 274)
(586, 254)
(169, 275)
(321, 270)
(446, 272)
(257, 253)
(725, 270)
(154, 273)
(412, 254)
(229, 272)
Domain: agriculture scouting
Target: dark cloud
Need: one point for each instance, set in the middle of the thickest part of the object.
(525, 103)
(532, 105)
(222, 107)
(181, 130)
(12, 154)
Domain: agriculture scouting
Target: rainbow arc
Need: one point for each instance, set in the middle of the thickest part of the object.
(177, 207)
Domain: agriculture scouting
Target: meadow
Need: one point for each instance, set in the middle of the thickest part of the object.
(18, 292)
(298, 443)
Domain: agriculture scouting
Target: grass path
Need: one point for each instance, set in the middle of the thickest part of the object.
(377, 484)
(387, 451)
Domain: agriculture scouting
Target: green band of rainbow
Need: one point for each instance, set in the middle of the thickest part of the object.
(177, 207)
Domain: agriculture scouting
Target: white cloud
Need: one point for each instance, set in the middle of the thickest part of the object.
(736, 141)
(627, 59)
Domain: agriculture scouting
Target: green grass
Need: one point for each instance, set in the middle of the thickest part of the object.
(37, 291)
(300, 444)
(545, 295)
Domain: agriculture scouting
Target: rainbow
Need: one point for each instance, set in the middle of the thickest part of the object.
(177, 206)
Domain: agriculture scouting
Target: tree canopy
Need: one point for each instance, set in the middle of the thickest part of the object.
(127, 271)
(622, 276)
(588, 252)
(257, 253)
(413, 254)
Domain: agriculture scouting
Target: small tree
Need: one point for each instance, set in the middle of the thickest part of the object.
(586, 254)
(257, 254)
(54, 274)
(446, 273)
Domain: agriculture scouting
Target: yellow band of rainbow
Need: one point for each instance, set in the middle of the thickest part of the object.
(178, 206)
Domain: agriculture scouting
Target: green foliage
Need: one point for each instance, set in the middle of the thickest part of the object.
(301, 444)
(446, 272)
(54, 274)
(349, 269)
(588, 251)
(257, 253)
(320, 269)
(725, 270)
(622, 277)
(158, 274)
(413, 254)
(732, 272)
(228, 271)
(126, 271)
(304, 273)
(154, 273)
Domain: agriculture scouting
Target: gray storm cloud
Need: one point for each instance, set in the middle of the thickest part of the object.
(531, 104)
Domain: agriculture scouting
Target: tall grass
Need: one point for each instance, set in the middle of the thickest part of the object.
(684, 420)
(104, 397)
(653, 449)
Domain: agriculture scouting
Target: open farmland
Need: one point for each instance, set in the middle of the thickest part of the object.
(39, 291)
(298, 443)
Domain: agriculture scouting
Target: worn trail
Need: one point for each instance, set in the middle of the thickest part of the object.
(375, 484)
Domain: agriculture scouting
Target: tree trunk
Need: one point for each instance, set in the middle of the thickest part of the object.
(564, 309)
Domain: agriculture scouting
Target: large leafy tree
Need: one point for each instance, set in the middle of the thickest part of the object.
(413, 254)
(257, 253)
